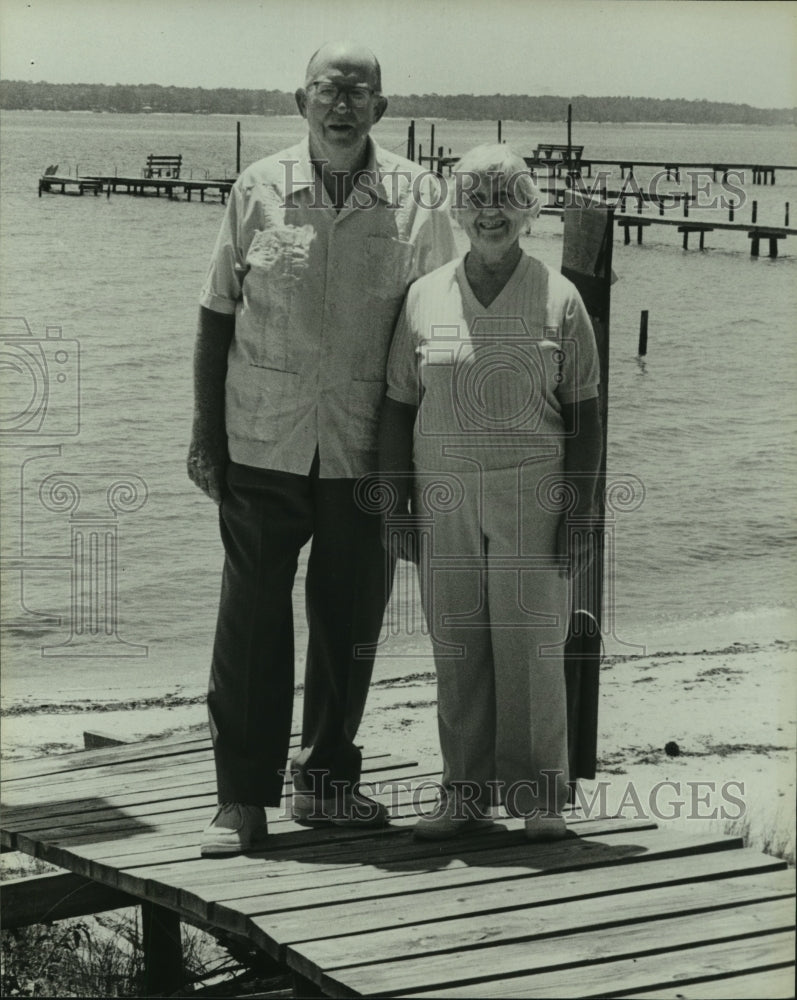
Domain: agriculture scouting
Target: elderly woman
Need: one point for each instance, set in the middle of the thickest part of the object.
(491, 417)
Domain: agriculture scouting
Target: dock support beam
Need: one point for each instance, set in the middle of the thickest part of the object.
(163, 951)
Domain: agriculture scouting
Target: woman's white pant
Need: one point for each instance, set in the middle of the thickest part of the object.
(497, 610)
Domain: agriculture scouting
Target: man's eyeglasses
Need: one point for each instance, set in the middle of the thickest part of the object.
(328, 93)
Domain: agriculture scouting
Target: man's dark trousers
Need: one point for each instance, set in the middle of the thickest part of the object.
(265, 518)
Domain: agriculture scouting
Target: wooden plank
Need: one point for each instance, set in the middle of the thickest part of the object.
(532, 916)
(466, 869)
(20, 770)
(37, 816)
(104, 792)
(105, 780)
(684, 972)
(74, 813)
(358, 915)
(565, 951)
(774, 984)
(36, 899)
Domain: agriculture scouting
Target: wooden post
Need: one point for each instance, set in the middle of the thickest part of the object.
(643, 334)
(499, 131)
(439, 161)
(595, 228)
(730, 213)
(755, 211)
(569, 136)
(786, 220)
(237, 147)
(163, 950)
(431, 144)
(411, 140)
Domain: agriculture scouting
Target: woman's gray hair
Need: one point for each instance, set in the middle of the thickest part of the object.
(485, 169)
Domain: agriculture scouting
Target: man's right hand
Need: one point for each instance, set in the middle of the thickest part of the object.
(207, 468)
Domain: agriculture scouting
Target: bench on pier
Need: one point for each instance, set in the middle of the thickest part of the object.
(627, 224)
(552, 154)
(163, 166)
(695, 227)
(773, 235)
(556, 153)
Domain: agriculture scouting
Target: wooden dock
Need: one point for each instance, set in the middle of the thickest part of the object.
(96, 184)
(621, 908)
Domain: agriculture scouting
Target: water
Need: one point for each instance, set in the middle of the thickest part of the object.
(706, 422)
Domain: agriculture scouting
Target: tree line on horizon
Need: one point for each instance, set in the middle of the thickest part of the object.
(18, 95)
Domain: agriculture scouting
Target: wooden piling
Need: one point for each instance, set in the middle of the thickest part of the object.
(237, 147)
(643, 334)
(786, 222)
(499, 131)
(755, 212)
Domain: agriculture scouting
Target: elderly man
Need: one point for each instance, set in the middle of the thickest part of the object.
(318, 245)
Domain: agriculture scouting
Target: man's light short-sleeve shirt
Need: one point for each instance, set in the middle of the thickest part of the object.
(316, 294)
(490, 381)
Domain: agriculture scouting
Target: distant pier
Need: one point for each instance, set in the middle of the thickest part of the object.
(567, 161)
(160, 175)
(113, 184)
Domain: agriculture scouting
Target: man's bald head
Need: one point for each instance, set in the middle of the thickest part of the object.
(349, 58)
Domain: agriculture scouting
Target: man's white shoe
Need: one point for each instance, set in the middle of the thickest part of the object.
(452, 817)
(235, 828)
(545, 826)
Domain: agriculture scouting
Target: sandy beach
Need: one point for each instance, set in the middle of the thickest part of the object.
(698, 731)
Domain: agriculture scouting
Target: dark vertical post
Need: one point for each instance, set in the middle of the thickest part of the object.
(431, 141)
(439, 161)
(163, 951)
(786, 220)
(755, 211)
(237, 147)
(499, 131)
(569, 136)
(594, 227)
(643, 334)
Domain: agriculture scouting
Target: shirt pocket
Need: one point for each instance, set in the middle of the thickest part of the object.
(275, 264)
(388, 268)
(262, 405)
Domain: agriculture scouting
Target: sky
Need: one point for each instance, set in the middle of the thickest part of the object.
(718, 50)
